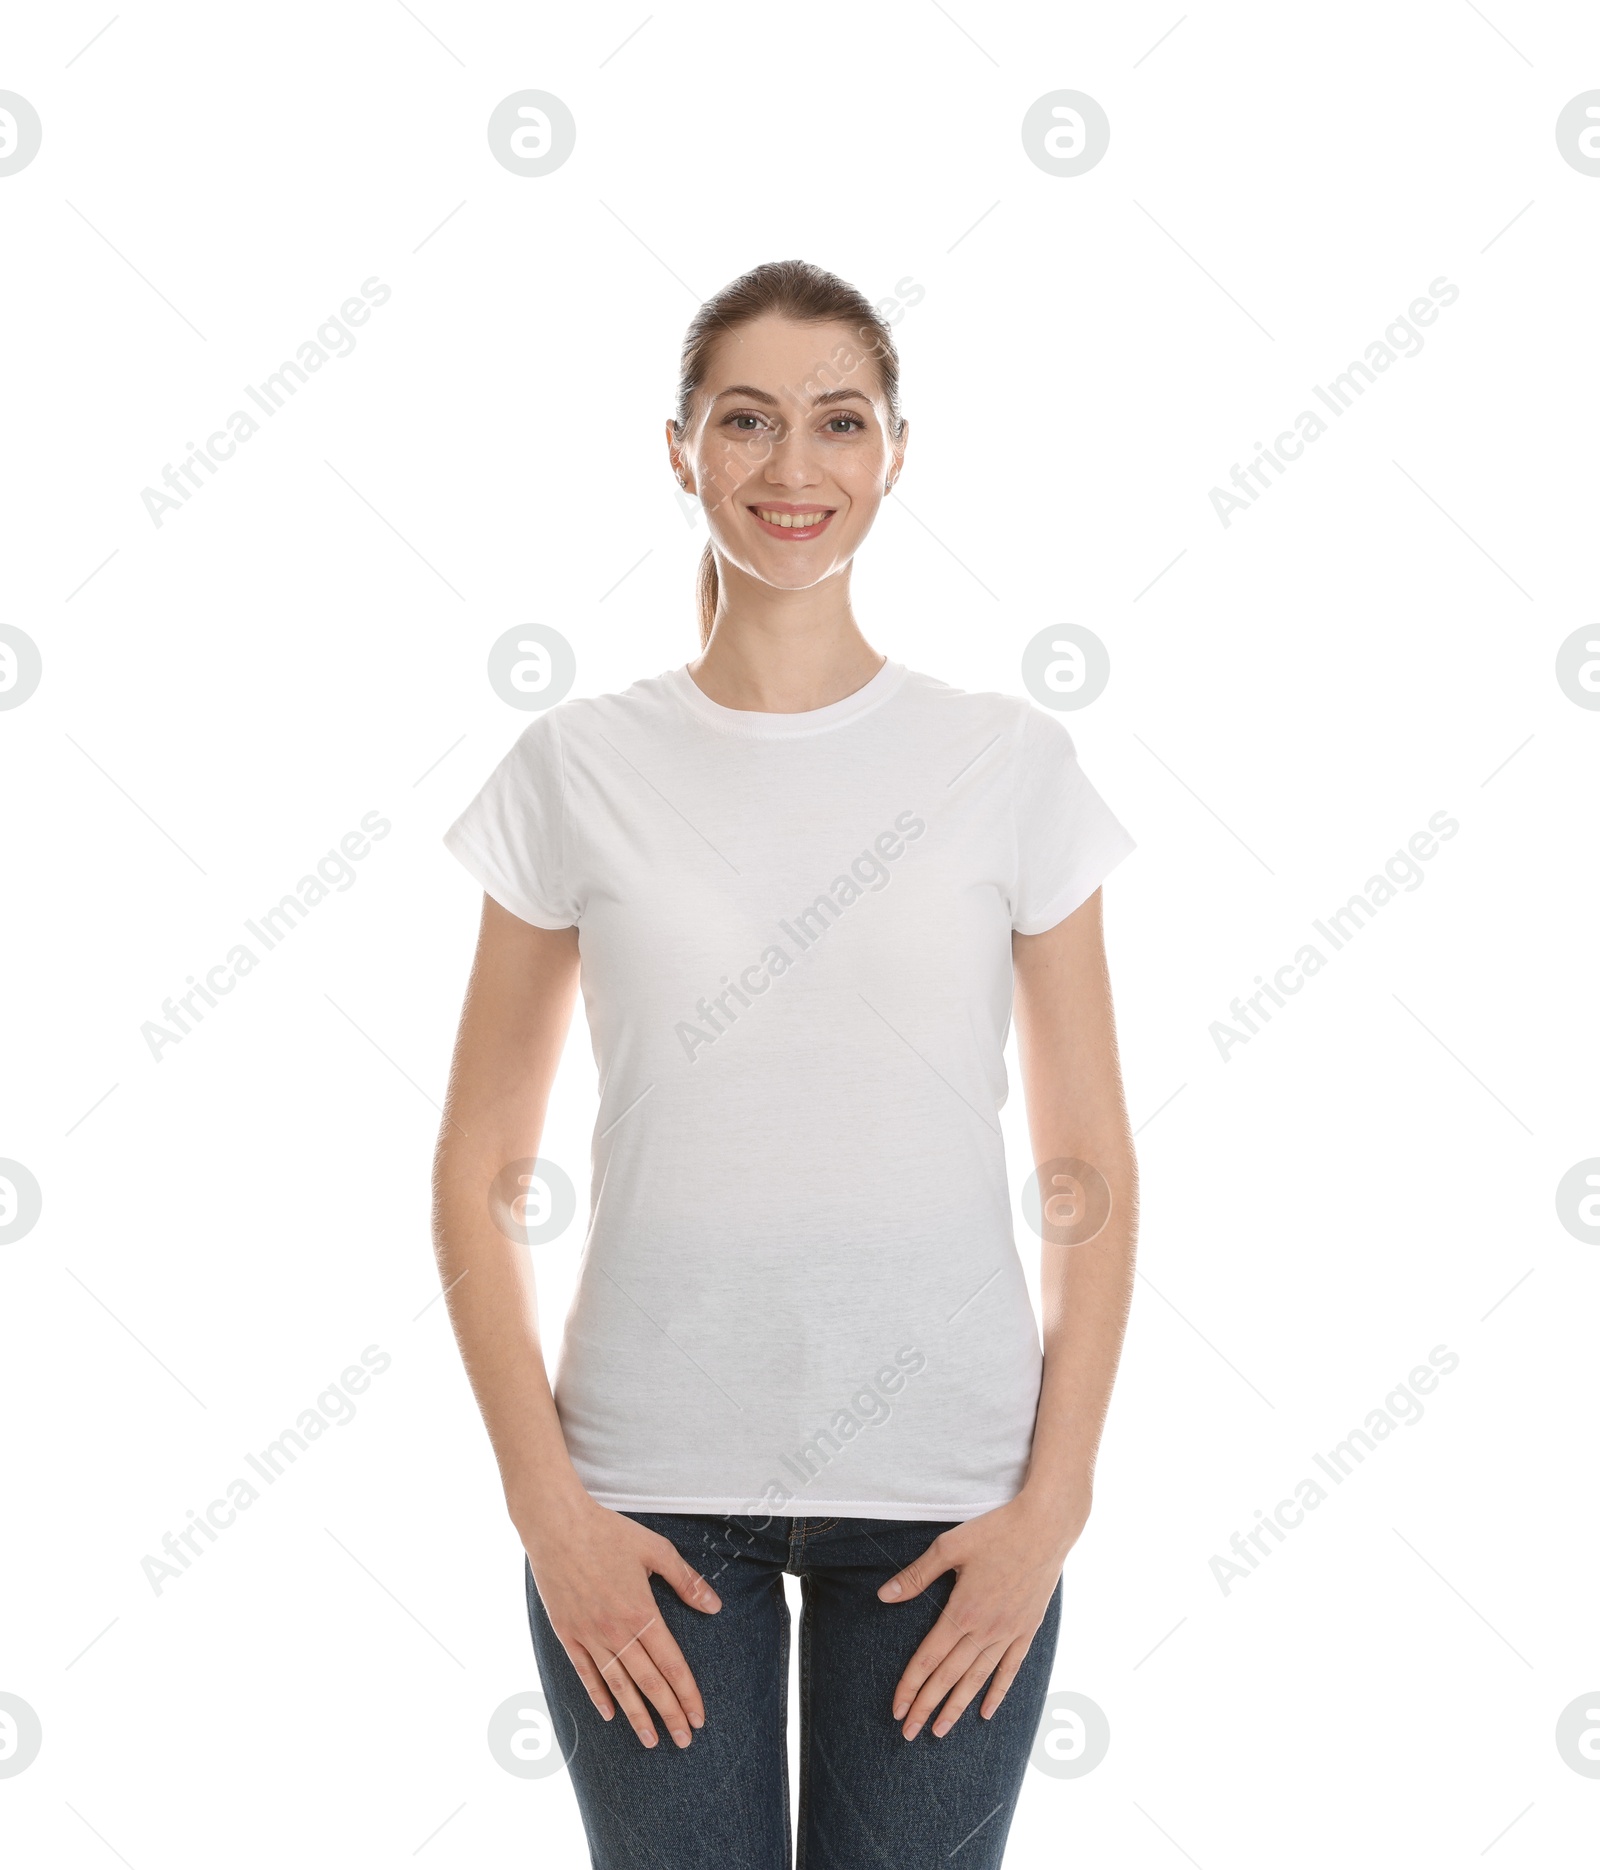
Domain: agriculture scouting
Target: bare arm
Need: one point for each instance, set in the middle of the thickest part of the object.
(592, 1566)
(1007, 1562)
(1072, 1078)
(514, 1023)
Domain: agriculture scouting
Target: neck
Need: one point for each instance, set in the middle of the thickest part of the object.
(783, 652)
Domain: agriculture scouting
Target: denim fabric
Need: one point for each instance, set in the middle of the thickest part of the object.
(868, 1799)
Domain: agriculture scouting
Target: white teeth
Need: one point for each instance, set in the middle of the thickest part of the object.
(791, 520)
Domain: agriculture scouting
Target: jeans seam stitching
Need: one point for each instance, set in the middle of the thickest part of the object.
(805, 1730)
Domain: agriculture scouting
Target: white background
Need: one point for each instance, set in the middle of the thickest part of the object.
(1292, 696)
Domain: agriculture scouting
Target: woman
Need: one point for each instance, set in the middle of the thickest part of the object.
(805, 883)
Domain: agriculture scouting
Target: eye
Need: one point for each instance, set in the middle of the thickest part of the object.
(742, 415)
(856, 421)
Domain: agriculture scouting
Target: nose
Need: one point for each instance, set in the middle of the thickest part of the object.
(793, 462)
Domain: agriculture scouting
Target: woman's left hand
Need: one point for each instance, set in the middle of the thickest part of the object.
(1007, 1564)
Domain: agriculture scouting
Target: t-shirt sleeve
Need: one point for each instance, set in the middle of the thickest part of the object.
(512, 837)
(1068, 839)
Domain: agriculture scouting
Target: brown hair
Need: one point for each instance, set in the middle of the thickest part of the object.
(793, 289)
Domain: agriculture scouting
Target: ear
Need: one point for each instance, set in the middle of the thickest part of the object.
(675, 457)
(898, 454)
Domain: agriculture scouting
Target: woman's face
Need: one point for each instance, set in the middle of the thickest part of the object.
(788, 448)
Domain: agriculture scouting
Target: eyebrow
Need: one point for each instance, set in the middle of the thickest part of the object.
(761, 396)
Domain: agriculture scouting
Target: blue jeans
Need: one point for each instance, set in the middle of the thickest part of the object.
(868, 1797)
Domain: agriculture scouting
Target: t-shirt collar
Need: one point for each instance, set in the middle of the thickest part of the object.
(757, 724)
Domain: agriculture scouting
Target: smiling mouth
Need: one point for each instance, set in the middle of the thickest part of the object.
(793, 523)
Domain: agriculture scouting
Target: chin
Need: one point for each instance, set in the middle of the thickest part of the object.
(780, 570)
(790, 581)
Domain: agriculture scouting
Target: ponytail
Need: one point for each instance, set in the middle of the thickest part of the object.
(705, 592)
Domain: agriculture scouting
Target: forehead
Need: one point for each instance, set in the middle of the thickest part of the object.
(793, 362)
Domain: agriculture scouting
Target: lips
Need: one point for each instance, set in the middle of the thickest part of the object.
(785, 520)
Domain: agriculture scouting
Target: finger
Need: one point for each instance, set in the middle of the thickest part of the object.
(669, 1659)
(959, 1697)
(947, 1634)
(965, 1656)
(620, 1682)
(591, 1678)
(635, 1657)
(930, 1652)
(669, 1563)
(1005, 1675)
(918, 1575)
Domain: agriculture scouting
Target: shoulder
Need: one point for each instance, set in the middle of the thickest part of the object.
(581, 720)
(1029, 730)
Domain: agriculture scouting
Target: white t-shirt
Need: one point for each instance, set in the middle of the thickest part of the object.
(799, 1291)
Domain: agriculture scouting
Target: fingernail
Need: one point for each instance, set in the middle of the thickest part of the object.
(900, 1710)
(681, 1735)
(697, 1720)
(940, 1731)
(891, 1590)
(912, 1732)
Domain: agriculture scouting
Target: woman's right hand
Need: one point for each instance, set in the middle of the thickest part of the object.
(592, 1568)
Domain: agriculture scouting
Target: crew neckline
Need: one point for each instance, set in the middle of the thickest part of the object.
(756, 723)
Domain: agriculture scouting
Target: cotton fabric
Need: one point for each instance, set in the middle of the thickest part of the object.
(800, 1291)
